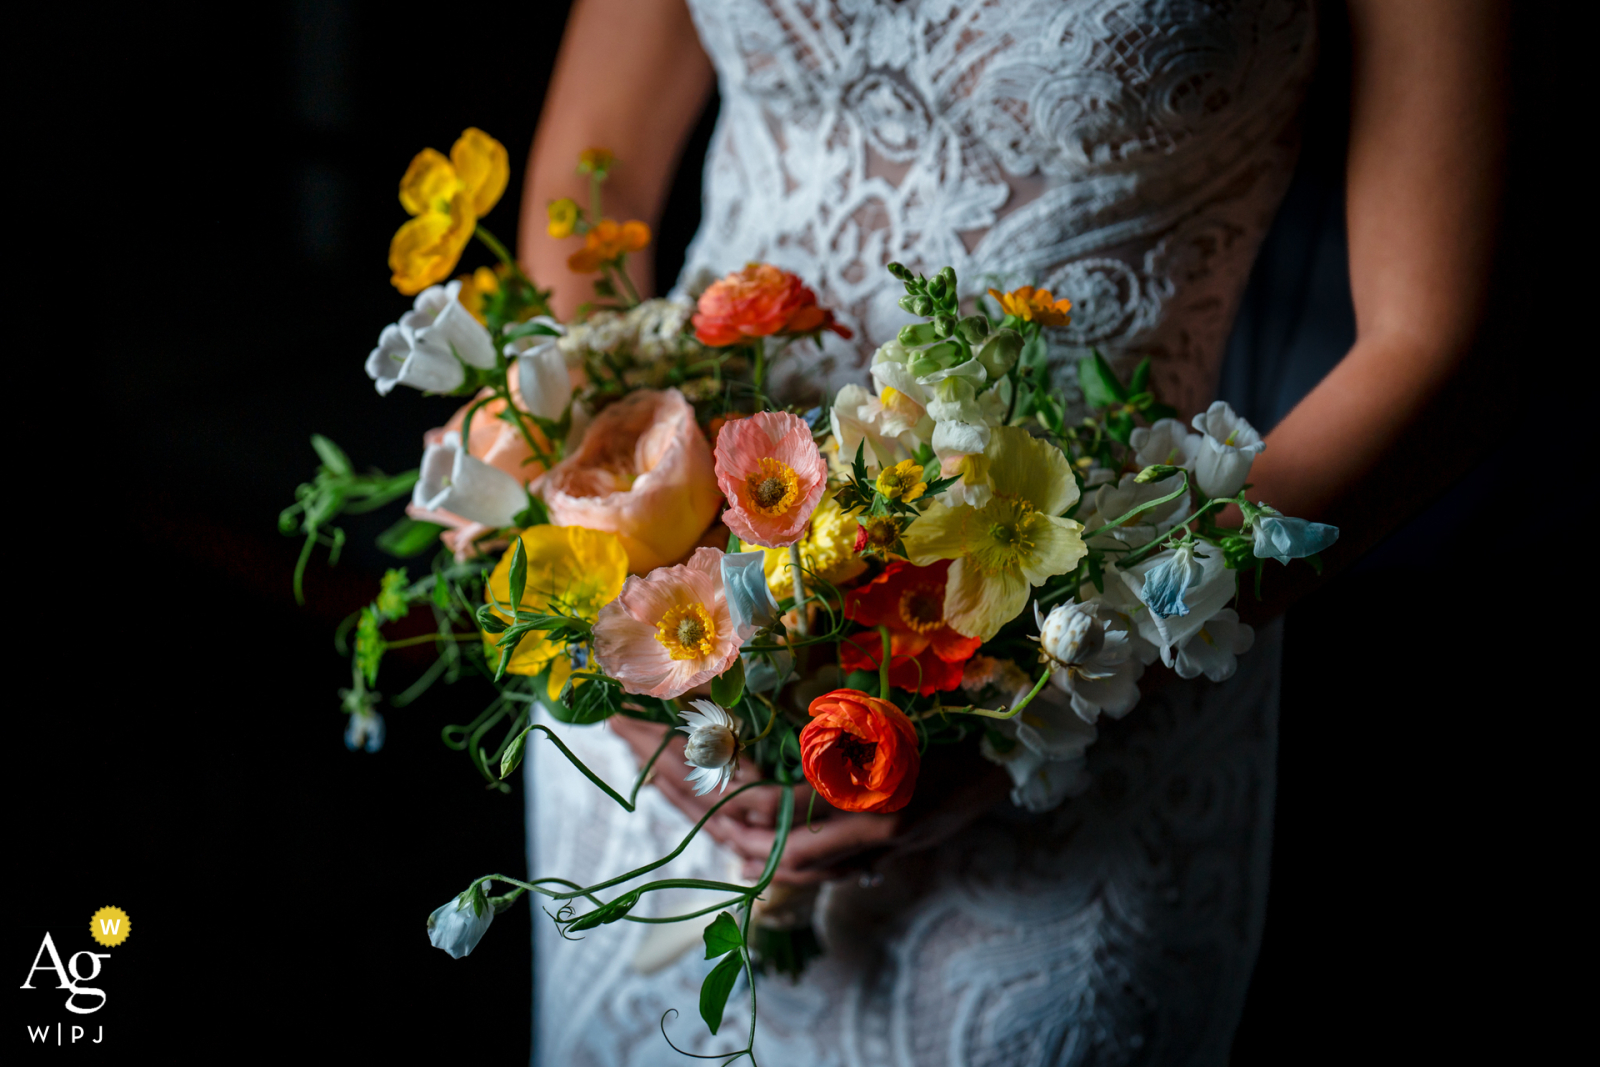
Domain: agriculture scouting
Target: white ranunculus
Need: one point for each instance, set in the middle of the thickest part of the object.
(1166, 441)
(453, 480)
(1215, 648)
(1113, 501)
(542, 376)
(1204, 595)
(1091, 656)
(458, 928)
(1228, 448)
(713, 746)
(401, 358)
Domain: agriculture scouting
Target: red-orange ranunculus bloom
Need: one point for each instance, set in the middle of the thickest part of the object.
(860, 753)
(759, 301)
(608, 240)
(925, 654)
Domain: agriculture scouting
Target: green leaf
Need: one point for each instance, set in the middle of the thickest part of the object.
(529, 328)
(728, 687)
(489, 622)
(1119, 427)
(587, 698)
(722, 936)
(1141, 377)
(718, 985)
(1156, 412)
(1100, 386)
(519, 574)
(408, 538)
(332, 455)
(609, 913)
(513, 757)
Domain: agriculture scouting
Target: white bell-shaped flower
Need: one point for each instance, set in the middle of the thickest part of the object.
(1165, 441)
(1208, 585)
(1111, 502)
(542, 376)
(426, 348)
(457, 927)
(453, 480)
(1215, 648)
(713, 746)
(1228, 447)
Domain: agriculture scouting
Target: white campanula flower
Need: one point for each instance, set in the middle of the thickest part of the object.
(1215, 648)
(459, 924)
(1228, 448)
(1165, 441)
(750, 600)
(1043, 751)
(1089, 650)
(1114, 501)
(1281, 538)
(1203, 595)
(426, 348)
(542, 378)
(364, 731)
(713, 746)
(453, 480)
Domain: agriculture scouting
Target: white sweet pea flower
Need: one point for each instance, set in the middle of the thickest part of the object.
(1215, 648)
(713, 746)
(1230, 445)
(1114, 501)
(364, 731)
(1167, 441)
(1279, 537)
(1038, 784)
(458, 925)
(454, 481)
(1091, 658)
(1199, 581)
(426, 348)
(542, 376)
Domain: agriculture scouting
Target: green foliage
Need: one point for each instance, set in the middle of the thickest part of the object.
(606, 913)
(728, 687)
(588, 697)
(409, 538)
(391, 603)
(336, 489)
(722, 939)
(369, 645)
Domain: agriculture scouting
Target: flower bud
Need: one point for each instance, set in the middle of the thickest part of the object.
(1000, 352)
(1069, 634)
(1156, 472)
(712, 748)
(899, 271)
(460, 923)
(974, 328)
(918, 333)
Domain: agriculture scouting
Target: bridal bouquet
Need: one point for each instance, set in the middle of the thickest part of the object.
(620, 520)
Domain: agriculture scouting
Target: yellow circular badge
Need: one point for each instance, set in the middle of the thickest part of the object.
(110, 926)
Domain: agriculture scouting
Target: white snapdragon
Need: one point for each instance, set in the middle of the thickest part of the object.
(426, 348)
(1198, 580)
(460, 923)
(453, 480)
(1215, 648)
(1166, 441)
(857, 416)
(1091, 658)
(713, 746)
(542, 378)
(1228, 448)
(1111, 502)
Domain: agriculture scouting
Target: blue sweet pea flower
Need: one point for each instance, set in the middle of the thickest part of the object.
(459, 924)
(365, 731)
(750, 602)
(1282, 538)
(1167, 582)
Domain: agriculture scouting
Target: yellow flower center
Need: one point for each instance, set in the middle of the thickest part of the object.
(687, 631)
(773, 487)
(922, 609)
(883, 531)
(1009, 537)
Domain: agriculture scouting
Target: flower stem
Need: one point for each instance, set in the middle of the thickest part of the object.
(883, 665)
(758, 376)
(802, 623)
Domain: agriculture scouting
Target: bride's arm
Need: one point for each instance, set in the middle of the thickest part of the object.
(631, 77)
(1423, 182)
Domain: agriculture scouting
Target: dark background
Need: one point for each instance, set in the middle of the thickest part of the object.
(201, 206)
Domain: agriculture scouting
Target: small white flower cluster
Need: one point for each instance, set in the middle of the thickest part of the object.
(650, 331)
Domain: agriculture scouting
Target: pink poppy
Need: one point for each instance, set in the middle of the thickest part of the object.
(773, 475)
(670, 630)
(643, 472)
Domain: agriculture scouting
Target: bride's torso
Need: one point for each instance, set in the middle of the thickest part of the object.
(1125, 154)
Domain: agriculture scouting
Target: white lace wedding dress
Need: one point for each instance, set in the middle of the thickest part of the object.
(1128, 155)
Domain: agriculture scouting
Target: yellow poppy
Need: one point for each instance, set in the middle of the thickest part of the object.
(573, 570)
(1014, 542)
(447, 197)
(563, 217)
(828, 550)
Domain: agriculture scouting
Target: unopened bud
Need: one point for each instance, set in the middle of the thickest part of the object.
(1000, 352)
(918, 333)
(944, 325)
(974, 328)
(1156, 472)
(899, 271)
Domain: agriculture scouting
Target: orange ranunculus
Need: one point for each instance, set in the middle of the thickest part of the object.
(925, 654)
(1034, 305)
(859, 752)
(759, 301)
(608, 240)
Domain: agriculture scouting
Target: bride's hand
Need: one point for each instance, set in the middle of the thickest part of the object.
(954, 789)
